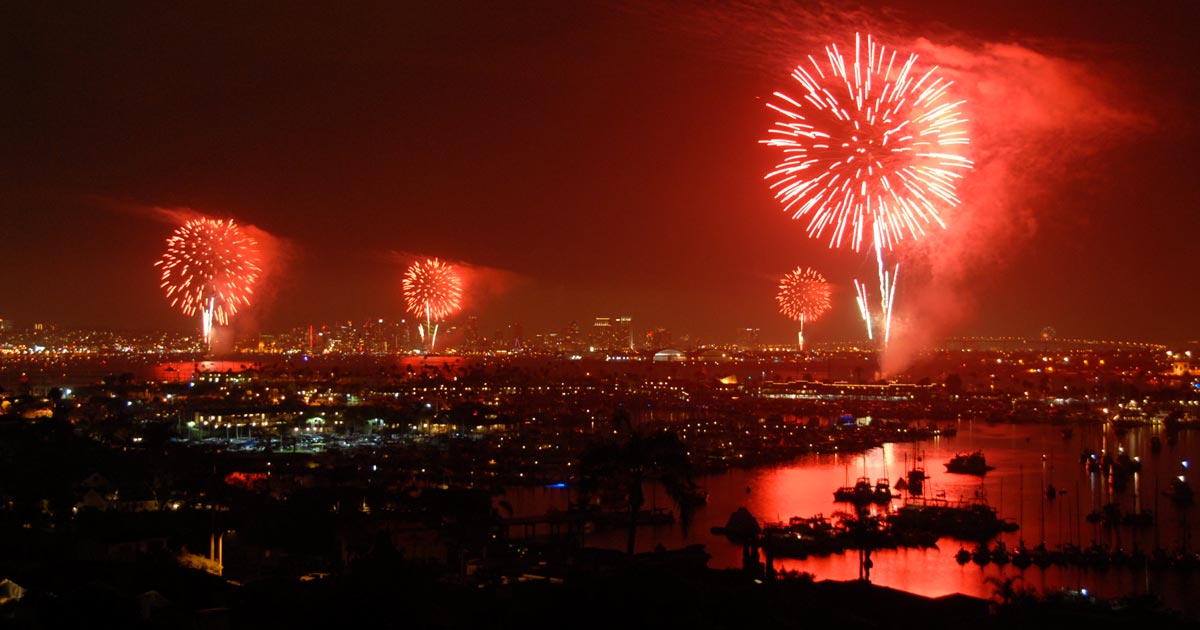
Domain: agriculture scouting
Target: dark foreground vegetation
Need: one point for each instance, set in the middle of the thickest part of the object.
(603, 589)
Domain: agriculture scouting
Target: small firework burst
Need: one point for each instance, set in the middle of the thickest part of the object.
(210, 267)
(433, 290)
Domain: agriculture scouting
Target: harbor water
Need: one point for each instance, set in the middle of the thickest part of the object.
(1028, 458)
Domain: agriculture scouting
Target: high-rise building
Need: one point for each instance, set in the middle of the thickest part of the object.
(571, 339)
(601, 333)
(612, 334)
(402, 335)
(623, 333)
(748, 338)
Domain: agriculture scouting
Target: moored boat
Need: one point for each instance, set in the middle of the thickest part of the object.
(969, 464)
(863, 493)
(964, 520)
(1000, 553)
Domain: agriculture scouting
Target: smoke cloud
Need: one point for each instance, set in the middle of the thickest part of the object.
(481, 283)
(1036, 108)
(1035, 116)
(276, 255)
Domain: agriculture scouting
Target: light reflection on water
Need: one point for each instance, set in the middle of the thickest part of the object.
(1016, 487)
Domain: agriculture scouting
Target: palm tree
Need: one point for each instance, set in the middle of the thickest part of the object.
(866, 534)
(1007, 597)
(623, 461)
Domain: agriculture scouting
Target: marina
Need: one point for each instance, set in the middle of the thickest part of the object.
(1043, 544)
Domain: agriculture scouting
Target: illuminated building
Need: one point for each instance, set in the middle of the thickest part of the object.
(748, 338)
(623, 332)
(612, 334)
(893, 392)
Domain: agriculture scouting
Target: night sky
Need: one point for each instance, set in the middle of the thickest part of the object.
(585, 159)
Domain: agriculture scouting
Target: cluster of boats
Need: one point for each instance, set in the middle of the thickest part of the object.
(862, 493)
(1094, 556)
(1119, 470)
(919, 523)
(1110, 516)
(966, 519)
(1121, 465)
(802, 537)
(913, 481)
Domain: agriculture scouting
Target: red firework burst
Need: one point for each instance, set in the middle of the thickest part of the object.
(212, 265)
(804, 295)
(432, 289)
(871, 148)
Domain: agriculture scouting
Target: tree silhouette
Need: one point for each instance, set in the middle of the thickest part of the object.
(620, 463)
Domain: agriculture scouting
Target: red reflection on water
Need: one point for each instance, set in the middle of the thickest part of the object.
(1016, 488)
(184, 370)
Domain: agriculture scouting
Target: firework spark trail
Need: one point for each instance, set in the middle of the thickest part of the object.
(433, 290)
(887, 288)
(803, 295)
(206, 320)
(872, 147)
(864, 308)
(210, 267)
(887, 292)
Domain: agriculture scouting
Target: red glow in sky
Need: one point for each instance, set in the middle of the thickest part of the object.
(605, 154)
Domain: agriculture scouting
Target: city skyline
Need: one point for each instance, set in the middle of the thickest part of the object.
(583, 160)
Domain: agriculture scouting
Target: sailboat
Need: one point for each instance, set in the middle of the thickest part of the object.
(914, 478)
(862, 492)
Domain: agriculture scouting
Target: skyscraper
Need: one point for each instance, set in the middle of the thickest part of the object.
(601, 335)
(623, 333)
(612, 334)
(748, 338)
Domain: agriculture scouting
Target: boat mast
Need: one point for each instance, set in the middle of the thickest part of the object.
(1042, 494)
(1021, 502)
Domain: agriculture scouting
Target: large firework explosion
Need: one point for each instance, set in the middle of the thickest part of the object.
(433, 290)
(803, 295)
(210, 267)
(872, 150)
